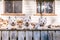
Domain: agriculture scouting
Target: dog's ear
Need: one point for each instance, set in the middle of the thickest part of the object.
(12, 19)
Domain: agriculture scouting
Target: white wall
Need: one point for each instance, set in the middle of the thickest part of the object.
(1, 7)
(57, 11)
(57, 7)
(29, 6)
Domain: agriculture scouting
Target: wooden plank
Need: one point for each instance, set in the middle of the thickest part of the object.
(28, 35)
(54, 35)
(0, 35)
(5, 35)
(51, 35)
(57, 36)
(21, 35)
(44, 35)
(13, 14)
(48, 29)
(36, 35)
(45, 14)
(13, 35)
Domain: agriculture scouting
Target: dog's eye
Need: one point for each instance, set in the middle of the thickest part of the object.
(28, 20)
(25, 20)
